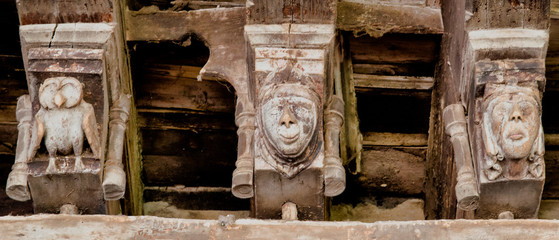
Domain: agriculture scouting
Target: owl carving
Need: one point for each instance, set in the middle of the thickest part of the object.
(63, 120)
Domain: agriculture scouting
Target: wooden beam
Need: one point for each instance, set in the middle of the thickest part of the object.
(197, 198)
(393, 170)
(394, 139)
(392, 82)
(376, 19)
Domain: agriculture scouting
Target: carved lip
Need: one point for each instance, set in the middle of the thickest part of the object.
(288, 139)
(515, 136)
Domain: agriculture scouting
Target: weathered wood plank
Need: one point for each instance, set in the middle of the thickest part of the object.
(377, 19)
(388, 209)
(395, 48)
(392, 82)
(550, 112)
(165, 119)
(197, 198)
(394, 139)
(201, 158)
(387, 170)
(552, 59)
(11, 89)
(350, 136)
(403, 112)
(64, 11)
(532, 14)
(551, 187)
(228, 47)
(167, 91)
(8, 113)
(292, 11)
(394, 69)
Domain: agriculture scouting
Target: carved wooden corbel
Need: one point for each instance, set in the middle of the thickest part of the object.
(293, 154)
(501, 89)
(78, 113)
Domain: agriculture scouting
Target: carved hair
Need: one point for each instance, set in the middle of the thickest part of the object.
(289, 74)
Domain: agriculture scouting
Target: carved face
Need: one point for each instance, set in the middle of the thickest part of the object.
(514, 119)
(290, 119)
(60, 92)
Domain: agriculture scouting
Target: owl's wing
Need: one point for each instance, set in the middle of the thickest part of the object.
(89, 126)
(36, 135)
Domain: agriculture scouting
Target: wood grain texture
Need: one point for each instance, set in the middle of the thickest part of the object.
(65, 11)
(376, 20)
(197, 198)
(386, 170)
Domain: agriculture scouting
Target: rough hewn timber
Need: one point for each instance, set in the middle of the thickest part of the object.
(196, 198)
(350, 138)
(224, 35)
(377, 19)
(392, 82)
(533, 14)
(389, 170)
(63, 11)
(394, 139)
(292, 11)
(106, 227)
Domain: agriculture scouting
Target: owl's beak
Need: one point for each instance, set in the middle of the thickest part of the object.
(59, 100)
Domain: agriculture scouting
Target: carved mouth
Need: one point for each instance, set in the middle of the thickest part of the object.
(289, 138)
(515, 136)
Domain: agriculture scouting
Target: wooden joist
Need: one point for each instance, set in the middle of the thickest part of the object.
(392, 82)
(197, 198)
(376, 19)
(190, 158)
(166, 119)
(394, 139)
(393, 170)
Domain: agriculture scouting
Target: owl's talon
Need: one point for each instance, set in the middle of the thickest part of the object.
(78, 166)
(51, 168)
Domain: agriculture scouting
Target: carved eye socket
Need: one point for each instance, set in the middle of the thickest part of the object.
(527, 108)
(46, 97)
(501, 111)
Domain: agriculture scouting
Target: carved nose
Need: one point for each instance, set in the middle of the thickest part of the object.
(516, 114)
(287, 118)
(59, 100)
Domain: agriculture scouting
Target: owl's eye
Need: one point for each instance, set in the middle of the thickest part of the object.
(46, 97)
(72, 94)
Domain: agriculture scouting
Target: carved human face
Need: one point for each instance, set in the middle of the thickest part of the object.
(515, 123)
(289, 118)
